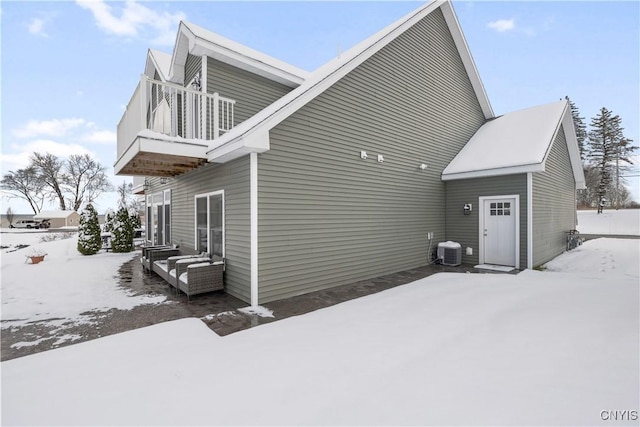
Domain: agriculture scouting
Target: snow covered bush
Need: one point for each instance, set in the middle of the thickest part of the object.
(136, 222)
(109, 216)
(89, 241)
(122, 231)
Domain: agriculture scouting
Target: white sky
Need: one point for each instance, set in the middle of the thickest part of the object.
(69, 68)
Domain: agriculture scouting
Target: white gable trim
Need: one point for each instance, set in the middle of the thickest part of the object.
(152, 65)
(467, 59)
(572, 146)
(199, 42)
(330, 73)
(566, 124)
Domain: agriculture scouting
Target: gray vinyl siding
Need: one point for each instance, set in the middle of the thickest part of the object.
(464, 229)
(327, 217)
(191, 68)
(233, 178)
(251, 92)
(554, 203)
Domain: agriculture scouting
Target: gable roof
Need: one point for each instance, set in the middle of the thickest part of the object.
(159, 61)
(53, 214)
(195, 40)
(253, 134)
(518, 142)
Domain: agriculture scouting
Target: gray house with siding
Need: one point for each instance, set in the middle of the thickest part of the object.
(305, 181)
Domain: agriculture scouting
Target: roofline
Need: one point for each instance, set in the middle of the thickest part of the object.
(572, 145)
(334, 70)
(467, 59)
(509, 170)
(232, 53)
(565, 122)
(151, 57)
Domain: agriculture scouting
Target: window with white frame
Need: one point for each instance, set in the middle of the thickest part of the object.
(209, 223)
(159, 218)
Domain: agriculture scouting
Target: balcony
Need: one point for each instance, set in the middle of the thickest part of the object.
(166, 128)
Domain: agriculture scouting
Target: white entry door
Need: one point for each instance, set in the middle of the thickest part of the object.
(499, 231)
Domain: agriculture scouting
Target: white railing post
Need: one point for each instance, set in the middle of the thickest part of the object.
(144, 101)
(216, 115)
(173, 96)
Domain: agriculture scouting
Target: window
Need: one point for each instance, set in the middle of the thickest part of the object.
(500, 209)
(209, 222)
(159, 218)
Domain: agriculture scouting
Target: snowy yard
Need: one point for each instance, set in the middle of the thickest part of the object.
(64, 286)
(625, 221)
(554, 347)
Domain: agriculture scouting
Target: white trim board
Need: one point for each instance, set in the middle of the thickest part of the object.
(253, 197)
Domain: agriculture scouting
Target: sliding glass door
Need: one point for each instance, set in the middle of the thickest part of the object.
(159, 218)
(209, 222)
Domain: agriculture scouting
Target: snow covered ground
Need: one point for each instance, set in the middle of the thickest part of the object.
(62, 287)
(624, 221)
(555, 347)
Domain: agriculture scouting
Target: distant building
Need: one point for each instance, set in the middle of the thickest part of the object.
(58, 219)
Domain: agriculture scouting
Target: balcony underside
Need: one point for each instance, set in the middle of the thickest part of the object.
(160, 157)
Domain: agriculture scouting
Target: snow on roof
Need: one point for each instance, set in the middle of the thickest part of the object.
(252, 134)
(513, 143)
(53, 214)
(199, 41)
(161, 61)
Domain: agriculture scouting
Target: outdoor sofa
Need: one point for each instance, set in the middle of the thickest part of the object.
(207, 274)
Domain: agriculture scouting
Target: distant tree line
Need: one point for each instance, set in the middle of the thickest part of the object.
(71, 182)
(606, 160)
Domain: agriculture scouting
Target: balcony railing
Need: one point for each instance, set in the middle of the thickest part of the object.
(174, 111)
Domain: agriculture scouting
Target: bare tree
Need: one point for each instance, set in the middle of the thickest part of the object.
(49, 167)
(125, 193)
(25, 184)
(10, 216)
(84, 180)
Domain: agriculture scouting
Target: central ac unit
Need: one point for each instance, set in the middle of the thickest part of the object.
(450, 253)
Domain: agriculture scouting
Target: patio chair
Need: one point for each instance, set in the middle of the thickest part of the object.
(154, 255)
(145, 250)
(201, 278)
(181, 267)
(164, 267)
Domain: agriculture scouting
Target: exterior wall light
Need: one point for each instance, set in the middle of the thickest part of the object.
(468, 208)
(363, 154)
(380, 158)
(423, 166)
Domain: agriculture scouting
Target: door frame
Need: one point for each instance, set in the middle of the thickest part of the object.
(516, 211)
